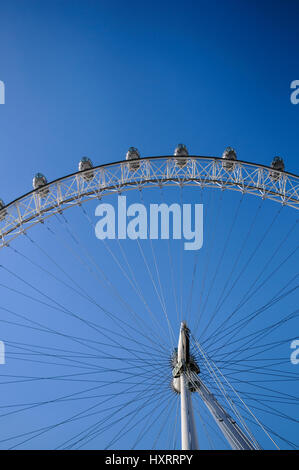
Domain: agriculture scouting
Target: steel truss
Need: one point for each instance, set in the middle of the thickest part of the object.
(185, 372)
(213, 172)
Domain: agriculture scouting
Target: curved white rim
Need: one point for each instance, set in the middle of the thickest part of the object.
(31, 208)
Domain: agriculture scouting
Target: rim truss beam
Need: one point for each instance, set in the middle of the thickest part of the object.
(34, 207)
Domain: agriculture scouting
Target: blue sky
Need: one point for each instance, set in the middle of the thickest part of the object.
(95, 77)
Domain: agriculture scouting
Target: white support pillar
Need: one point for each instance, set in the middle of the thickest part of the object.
(188, 430)
(229, 428)
(185, 370)
(193, 426)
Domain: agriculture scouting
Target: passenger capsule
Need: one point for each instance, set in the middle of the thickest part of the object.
(3, 211)
(228, 156)
(181, 151)
(85, 164)
(277, 164)
(38, 183)
(132, 156)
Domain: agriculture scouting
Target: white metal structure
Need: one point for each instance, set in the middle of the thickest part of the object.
(186, 371)
(72, 190)
(49, 199)
(182, 371)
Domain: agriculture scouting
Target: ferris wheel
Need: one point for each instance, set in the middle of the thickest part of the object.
(141, 344)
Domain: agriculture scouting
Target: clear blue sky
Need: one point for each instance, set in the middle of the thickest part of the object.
(95, 77)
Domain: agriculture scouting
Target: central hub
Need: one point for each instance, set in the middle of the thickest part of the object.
(184, 362)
